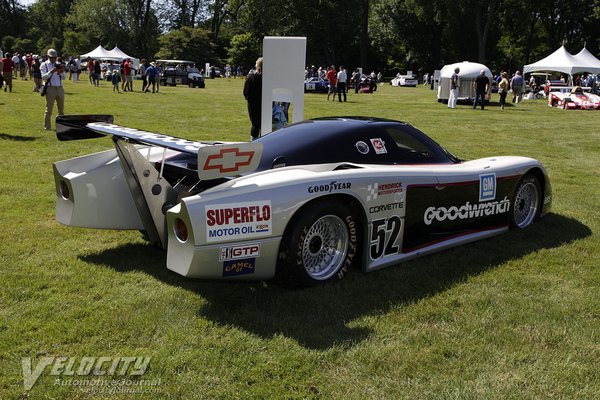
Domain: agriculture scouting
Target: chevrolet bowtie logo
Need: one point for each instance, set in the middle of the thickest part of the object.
(228, 160)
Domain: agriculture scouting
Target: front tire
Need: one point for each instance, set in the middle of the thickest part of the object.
(526, 202)
(320, 245)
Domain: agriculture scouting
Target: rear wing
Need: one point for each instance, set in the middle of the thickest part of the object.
(215, 159)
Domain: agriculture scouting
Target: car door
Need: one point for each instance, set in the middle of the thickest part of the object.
(466, 200)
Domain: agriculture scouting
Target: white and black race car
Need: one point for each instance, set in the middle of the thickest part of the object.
(305, 203)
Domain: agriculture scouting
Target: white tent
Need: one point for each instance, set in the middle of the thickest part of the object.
(469, 71)
(589, 62)
(99, 53)
(116, 54)
(563, 61)
(120, 55)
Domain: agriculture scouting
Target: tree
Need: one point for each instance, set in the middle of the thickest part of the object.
(107, 28)
(13, 18)
(48, 21)
(192, 44)
(126, 23)
(244, 50)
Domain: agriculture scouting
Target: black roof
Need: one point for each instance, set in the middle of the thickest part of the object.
(337, 139)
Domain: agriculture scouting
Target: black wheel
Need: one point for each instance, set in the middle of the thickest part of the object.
(526, 202)
(320, 245)
(163, 83)
(191, 85)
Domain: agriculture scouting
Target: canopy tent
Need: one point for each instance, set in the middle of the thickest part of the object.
(99, 53)
(563, 61)
(116, 54)
(592, 64)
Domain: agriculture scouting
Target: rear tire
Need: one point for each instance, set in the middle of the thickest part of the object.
(320, 245)
(526, 202)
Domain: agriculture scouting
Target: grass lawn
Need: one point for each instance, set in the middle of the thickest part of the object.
(513, 317)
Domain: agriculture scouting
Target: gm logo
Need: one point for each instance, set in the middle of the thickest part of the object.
(487, 187)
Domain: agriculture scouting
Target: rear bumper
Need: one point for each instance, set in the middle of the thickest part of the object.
(251, 259)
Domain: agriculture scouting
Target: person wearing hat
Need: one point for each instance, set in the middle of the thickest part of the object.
(151, 74)
(53, 72)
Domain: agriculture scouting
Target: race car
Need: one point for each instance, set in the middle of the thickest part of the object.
(305, 203)
(316, 85)
(572, 98)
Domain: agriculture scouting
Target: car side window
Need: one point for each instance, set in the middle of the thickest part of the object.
(410, 149)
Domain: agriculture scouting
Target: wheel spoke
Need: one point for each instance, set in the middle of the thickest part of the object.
(325, 247)
(526, 204)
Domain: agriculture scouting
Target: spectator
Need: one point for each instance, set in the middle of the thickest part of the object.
(37, 74)
(532, 82)
(90, 69)
(23, 68)
(143, 67)
(53, 72)
(356, 79)
(158, 74)
(115, 79)
(342, 77)
(16, 61)
(128, 84)
(29, 61)
(481, 86)
(97, 72)
(516, 85)
(253, 94)
(151, 75)
(503, 89)
(331, 76)
(454, 85)
(7, 71)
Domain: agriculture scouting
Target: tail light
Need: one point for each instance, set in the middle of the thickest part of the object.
(180, 229)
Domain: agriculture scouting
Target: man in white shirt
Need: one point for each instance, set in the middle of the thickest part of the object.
(342, 77)
(16, 59)
(53, 73)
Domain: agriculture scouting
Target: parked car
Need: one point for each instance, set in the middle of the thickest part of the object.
(316, 85)
(306, 202)
(572, 98)
(404, 80)
(214, 72)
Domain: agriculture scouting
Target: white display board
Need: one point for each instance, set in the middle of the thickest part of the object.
(283, 76)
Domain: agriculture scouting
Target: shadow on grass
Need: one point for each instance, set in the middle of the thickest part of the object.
(318, 318)
(6, 136)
